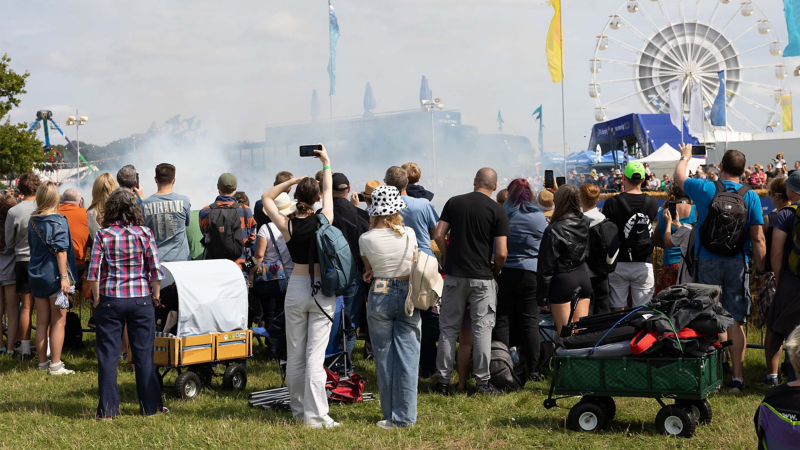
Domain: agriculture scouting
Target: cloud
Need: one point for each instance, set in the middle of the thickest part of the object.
(283, 25)
(58, 61)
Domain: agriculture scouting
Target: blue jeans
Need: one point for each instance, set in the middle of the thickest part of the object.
(111, 316)
(395, 345)
(353, 302)
(731, 275)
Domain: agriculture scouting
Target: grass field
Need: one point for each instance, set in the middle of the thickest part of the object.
(41, 411)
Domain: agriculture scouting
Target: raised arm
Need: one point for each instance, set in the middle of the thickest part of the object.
(327, 183)
(268, 203)
(679, 176)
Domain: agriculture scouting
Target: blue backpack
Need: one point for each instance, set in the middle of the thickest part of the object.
(335, 260)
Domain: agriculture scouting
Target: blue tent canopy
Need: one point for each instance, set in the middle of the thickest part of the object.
(609, 157)
(581, 158)
(554, 158)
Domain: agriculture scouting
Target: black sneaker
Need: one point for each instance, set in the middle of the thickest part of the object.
(91, 324)
(735, 386)
(440, 388)
(770, 381)
(487, 389)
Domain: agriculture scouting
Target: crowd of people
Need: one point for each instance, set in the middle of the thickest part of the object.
(504, 262)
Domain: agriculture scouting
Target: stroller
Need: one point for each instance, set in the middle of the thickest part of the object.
(342, 385)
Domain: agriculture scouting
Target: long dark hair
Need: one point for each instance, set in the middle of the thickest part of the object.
(6, 202)
(306, 194)
(567, 201)
(122, 206)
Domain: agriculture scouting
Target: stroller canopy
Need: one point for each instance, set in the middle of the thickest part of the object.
(212, 296)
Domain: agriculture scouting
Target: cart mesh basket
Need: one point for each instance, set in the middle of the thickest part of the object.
(638, 377)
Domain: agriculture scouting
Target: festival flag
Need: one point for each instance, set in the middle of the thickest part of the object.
(676, 104)
(541, 126)
(792, 10)
(334, 30)
(554, 44)
(500, 121)
(786, 109)
(598, 154)
(424, 91)
(624, 152)
(314, 106)
(718, 113)
(696, 128)
(369, 101)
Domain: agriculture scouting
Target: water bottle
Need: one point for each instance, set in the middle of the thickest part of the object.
(514, 355)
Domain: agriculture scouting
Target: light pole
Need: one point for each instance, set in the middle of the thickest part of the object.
(432, 105)
(77, 120)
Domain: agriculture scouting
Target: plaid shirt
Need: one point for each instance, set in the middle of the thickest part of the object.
(124, 260)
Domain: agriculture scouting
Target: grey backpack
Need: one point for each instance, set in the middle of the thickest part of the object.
(502, 370)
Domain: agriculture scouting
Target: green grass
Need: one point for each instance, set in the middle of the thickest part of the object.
(40, 411)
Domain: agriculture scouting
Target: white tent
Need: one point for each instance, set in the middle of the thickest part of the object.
(665, 160)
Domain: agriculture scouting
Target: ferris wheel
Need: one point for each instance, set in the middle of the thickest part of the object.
(648, 44)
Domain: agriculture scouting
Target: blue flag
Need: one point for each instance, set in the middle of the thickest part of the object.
(314, 106)
(541, 127)
(718, 114)
(500, 122)
(792, 10)
(334, 29)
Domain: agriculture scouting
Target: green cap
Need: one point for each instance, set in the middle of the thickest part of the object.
(227, 181)
(634, 168)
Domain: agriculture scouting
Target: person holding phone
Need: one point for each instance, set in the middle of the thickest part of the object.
(306, 313)
(678, 205)
(128, 178)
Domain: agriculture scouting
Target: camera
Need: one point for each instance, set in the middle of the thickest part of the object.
(250, 262)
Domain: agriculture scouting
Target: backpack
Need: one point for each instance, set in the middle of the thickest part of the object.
(794, 255)
(502, 370)
(723, 231)
(73, 332)
(637, 234)
(225, 237)
(603, 248)
(335, 260)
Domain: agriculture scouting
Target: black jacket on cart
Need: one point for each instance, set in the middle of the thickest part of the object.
(564, 248)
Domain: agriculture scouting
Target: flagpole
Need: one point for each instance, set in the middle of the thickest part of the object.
(563, 112)
(725, 99)
(330, 75)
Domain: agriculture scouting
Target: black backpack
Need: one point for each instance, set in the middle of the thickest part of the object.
(603, 248)
(637, 233)
(502, 371)
(225, 237)
(73, 332)
(723, 231)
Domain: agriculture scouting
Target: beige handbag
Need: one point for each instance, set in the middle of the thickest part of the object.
(425, 283)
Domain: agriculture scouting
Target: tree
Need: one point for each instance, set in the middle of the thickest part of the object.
(20, 150)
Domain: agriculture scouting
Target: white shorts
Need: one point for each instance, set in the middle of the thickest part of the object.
(636, 277)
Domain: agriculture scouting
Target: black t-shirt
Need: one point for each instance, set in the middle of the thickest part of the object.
(259, 215)
(785, 399)
(475, 220)
(352, 222)
(615, 212)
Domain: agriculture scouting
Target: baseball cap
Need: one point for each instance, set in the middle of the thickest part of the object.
(634, 168)
(793, 182)
(227, 181)
(340, 182)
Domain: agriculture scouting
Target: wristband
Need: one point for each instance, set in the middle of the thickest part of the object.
(326, 168)
(64, 277)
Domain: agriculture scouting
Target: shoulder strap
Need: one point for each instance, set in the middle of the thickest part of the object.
(213, 206)
(400, 264)
(625, 204)
(720, 187)
(274, 244)
(743, 190)
(36, 229)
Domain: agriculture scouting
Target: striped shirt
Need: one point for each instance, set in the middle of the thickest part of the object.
(249, 225)
(124, 261)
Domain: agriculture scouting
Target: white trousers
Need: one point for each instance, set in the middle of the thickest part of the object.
(307, 332)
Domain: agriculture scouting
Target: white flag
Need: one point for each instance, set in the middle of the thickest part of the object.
(598, 154)
(696, 111)
(676, 104)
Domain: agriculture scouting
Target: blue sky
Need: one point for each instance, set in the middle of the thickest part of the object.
(241, 65)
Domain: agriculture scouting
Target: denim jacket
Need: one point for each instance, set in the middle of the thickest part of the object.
(43, 268)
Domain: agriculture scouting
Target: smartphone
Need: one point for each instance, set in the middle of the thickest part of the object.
(561, 181)
(548, 179)
(137, 181)
(308, 150)
(673, 210)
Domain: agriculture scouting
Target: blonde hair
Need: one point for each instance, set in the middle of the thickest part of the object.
(792, 346)
(47, 199)
(103, 186)
(413, 171)
(394, 221)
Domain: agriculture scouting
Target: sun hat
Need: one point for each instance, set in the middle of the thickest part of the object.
(285, 204)
(634, 168)
(546, 203)
(385, 201)
(617, 172)
(371, 185)
(793, 182)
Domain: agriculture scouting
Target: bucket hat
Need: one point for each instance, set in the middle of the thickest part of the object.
(385, 201)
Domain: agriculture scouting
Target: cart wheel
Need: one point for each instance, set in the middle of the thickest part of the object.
(188, 385)
(549, 403)
(700, 408)
(675, 421)
(235, 377)
(607, 403)
(587, 416)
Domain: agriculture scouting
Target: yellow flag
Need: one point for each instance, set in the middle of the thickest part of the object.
(786, 108)
(553, 48)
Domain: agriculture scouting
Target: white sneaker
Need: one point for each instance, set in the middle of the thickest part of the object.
(386, 425)
(44, 366)
(331, 424)
(59, 369)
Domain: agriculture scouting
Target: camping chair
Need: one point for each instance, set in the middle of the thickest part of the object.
(776, 432)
